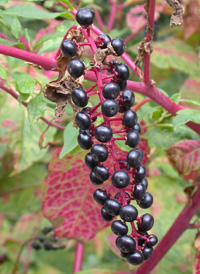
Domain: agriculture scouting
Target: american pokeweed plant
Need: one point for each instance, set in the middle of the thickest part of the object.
(100, 146)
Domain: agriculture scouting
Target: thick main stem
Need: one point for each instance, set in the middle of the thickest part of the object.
(178, 227)
(79, 253)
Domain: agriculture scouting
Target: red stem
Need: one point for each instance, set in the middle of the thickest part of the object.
(99, 20)
(79, 253)
(178, 227)
(140, 104)
(132, 35)
(112, 16)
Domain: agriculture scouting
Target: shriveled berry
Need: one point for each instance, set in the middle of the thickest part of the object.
(79, 97)
(128, 213)
(130, 118)
(122, 71)
(137, 127)
(135, 258)
(118, 45)
(94, 179)
(135, 157)
(101, 172)
(90, 163)
(147, 222)
(107, 40)
(111, 91)
(139, 191)
(112, 207)
(120, 179)
(99, 153)
(144, 182)
(126, 244)
(85, 16)
(140, 174)
(152, 240)
(133, 138)
(100, 196)
(83, 120)
(36, 246)
(103, 134)
(68, 48)
(119, 228)
(128, 98)
(76, 68)
(105, 215)
(84, 141)
(147, 201)
(147, 252)
(110, 108)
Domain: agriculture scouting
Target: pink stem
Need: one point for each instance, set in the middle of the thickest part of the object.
(178, 227)
(132, 35)
(79, 253)
(22, 39)
(99, 19)
(15, 95)
(140, 104)
(151, 12)
(112, 16)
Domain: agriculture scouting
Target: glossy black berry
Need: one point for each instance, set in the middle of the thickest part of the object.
(137, 127)
(90, 163)
(68, 48)
(135, 258)
(141, 173)
(107, 40)
(120, 179)
(144, 182)
(135, 157)
(147, 201)
(122, 71)
(101, 172)
(112, 207)
(133, 138)
(117, 241)
(122, 84)
(79, 97)
(118, 45)
(103, 134)
(126, 244)
(110, 108)
(119, 228)
(128, 98)
(147, 222)
(36, 246)
(139, 191)
(99, 153)
(130, 118)
(105, 215)
(47, 246)
(85, 17)
(83, 120)
(47, 229)
(128, 213)
(111, 91)
(152, 240)
(147, 252)
(76, 68)
(84, 141)
(94, 179)
(87, 110)
(100, 196)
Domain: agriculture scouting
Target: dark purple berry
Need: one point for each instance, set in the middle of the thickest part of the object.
(118, 45)
(47, 229)
(85, 16)
(128, 98)
(152, 240)
(107, 40)
(101, 172)
(144, 182)
(36, 246)
(94, 179)
(122, 71)
(139, 191)
(76, 68)
(147, 222)
(120, 179)
(141, 173)
(68, 48)
(83, 120)
(99, 153)
(135, 258)
(111, 91)
(79, 97)
(146, 201)
(119, 228)
(110, 108)
(90, 163)
(147, 252)
(105, 215)
(87, 110)
(84, 141)
(112, 207)
(122, 84)
(133, 138)
(103, 134)
(100, 196)
(137, 127)
(47, 245)
(135, 157)
(126, 244)
(130, 118)
(128, 213)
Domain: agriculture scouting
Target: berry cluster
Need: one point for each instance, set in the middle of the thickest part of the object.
(105, 161)
(48, 241)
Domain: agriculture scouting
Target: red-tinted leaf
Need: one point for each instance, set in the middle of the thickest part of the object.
(192, 85)
(68, 198)
(185, 157)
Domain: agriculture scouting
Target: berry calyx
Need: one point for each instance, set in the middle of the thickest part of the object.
(76, 68)
(68, 48)
(85, 16)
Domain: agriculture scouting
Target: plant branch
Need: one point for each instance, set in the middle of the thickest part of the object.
(111, 20)
(79, 253)
(178, 227)
(99, 20)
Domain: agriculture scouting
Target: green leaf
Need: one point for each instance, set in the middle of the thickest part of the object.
(10, 43)
(66, 2)
(50, 45)
(70, 139)
(186, 115)
(67, 15)
(12, 23)
(2, 2)
(176, 98)
(24, 83)
(191, 101)
(36, 109)
(4, 74)
(97, 270)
